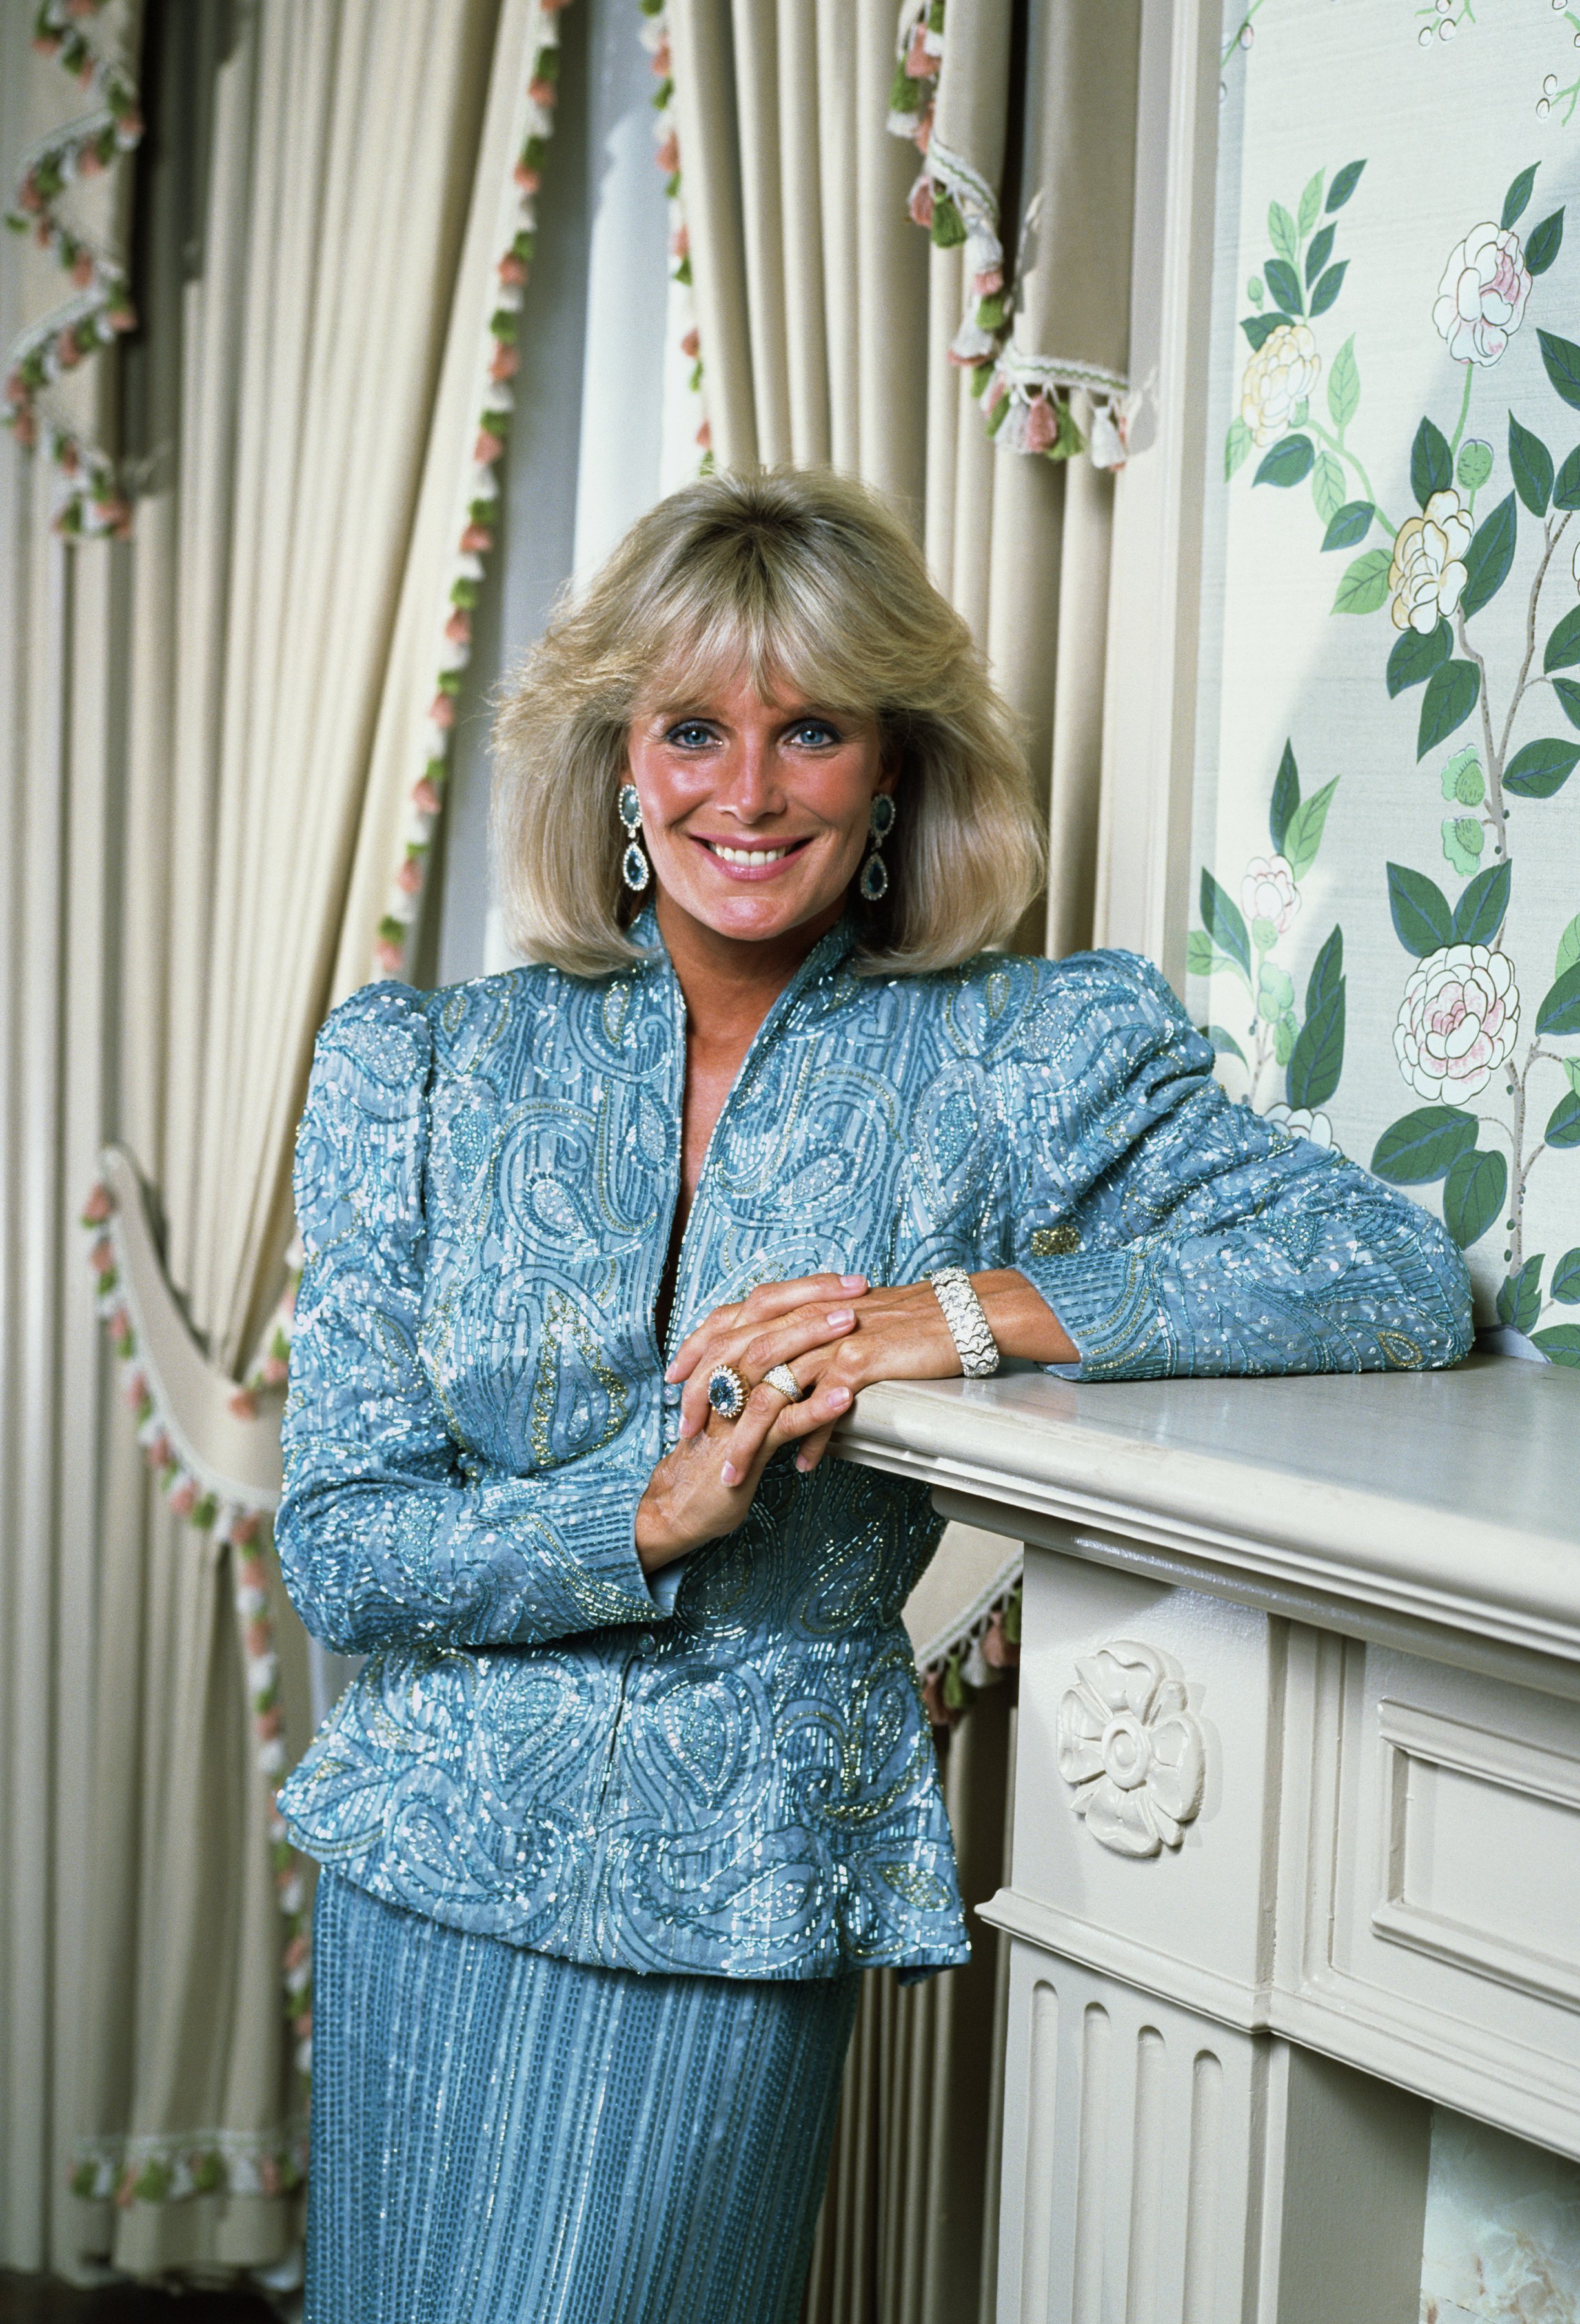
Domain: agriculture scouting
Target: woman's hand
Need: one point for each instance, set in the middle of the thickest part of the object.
(892, 1333)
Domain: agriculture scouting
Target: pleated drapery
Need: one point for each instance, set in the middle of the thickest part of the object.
(211, 738)
(833, 330)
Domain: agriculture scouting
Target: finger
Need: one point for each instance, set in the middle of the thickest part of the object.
(767, 1301)
(827, 1403)
(754, 1354)
(748, 1439)
(812, 1449)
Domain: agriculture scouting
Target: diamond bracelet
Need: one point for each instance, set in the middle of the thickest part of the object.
(975, 1345)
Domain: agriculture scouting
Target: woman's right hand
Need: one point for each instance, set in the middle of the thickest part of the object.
(695, 1495)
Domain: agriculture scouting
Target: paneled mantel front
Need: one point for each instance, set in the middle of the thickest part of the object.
(1297, 1828)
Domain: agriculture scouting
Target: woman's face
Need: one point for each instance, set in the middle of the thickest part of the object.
(755, 814)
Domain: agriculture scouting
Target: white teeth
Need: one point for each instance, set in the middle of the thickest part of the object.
(747, 854)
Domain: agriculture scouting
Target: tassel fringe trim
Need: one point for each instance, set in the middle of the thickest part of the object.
(1027, 401)
(977, 1658)
(238, 1521)
(655, 36)
(91, 500)
(477, 525)
(168, 2170)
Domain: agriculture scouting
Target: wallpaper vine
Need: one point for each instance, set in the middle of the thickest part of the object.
(1387, 949)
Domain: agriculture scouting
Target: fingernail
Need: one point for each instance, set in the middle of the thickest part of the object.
(838, 1398)
(836, 1317)
(802, 1463)
(852, 1283)
(728, 1474)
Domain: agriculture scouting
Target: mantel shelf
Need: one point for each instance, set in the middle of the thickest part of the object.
(1445, 1498)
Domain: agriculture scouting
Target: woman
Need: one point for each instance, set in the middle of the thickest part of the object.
(636, 1777)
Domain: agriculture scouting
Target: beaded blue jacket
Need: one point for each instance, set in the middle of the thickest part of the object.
(729, 1770)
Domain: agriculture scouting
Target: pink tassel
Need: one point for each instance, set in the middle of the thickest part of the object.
(409, 879)
(88, 164)
(919, 64)
(258, 1637)
(542, 92)
(512, 269)
(505, 365)
(921, 202)
(1042, 425)
(136, 1391)
(443, 711)
(705, 437)
(487, 448)
(244, 1405)
(995, 391)
(477, 541)
(67, 353)
(98, 1206)
(923, 137)
(157, 1452)
(691, 346)
(425, 798)
(275, 1370)
(102, 1257)
(528, 180)
(296, 1952)
(184, 1500)
(680, 243)
(245, 1529)
(998, 1652)
(667, 155)
(988, 284)
(661, 61)
(267, 1724)
(458, 629)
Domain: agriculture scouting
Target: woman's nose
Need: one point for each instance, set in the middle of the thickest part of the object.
(751, 788)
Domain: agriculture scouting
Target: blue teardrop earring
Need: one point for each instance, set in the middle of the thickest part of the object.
(874, 881)
(635, 868)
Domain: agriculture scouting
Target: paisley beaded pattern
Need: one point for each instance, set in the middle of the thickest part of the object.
(729, 1771)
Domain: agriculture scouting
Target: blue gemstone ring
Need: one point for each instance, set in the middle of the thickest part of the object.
(727, 1391)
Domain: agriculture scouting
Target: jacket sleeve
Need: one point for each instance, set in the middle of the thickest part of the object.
(383, 1534)
(1173, 1231)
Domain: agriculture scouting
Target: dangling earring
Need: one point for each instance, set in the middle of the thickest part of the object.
(874, 881)
(635, 868)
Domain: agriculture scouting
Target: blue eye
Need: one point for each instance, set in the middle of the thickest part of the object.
(691, 735)
(814, 734)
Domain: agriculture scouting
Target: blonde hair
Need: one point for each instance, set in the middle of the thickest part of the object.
(805, 580)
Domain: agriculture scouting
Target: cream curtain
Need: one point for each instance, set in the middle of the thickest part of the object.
(827, 325)
(212, 738)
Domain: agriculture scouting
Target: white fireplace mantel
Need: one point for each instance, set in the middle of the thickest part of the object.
(1297, 1831)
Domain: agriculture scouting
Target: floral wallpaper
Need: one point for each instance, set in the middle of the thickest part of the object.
(1386, 938)
(1386, 941)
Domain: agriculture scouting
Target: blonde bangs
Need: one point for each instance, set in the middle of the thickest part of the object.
(803, 579)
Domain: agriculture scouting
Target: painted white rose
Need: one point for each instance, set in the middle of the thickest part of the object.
(1481, 297)
(1428, 575)
(1304, 1121)
(1282, 372)
(1458, 1021)
(1268, 891)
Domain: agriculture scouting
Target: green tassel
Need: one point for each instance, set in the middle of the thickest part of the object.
(390, 931)
(955, 1693)
(203, 1515)
(991, 312)
(545, 64)
(466, 592)
(696, 376)
(935, 17)
(662, 94)
(948, 228)
(84, 2180)
(523, 245)
(980, 374)
(997, 416)
(208, 2174)
(449, 681)
(436, 771)
(154, 2182)
(905, 94)
(535, 153)
(1069, 439)
(682, 272)
(498, 423)
(1012, 1615)
(707, 466)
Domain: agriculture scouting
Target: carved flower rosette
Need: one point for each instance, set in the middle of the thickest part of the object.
(1131, 1748)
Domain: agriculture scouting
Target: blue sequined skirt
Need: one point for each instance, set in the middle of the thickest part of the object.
(499, 2134)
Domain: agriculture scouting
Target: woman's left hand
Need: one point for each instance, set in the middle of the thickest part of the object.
(899, 1334)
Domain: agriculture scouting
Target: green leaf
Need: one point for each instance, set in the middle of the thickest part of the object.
(1223, 921)
(1421, 918)
(1430, 468)
(1452, 694)
(1531, 464)
(1545, 243)
(1566, 1282)
(1563, 645)
(1236, 446)
(1568, 954)
(1463, 841)
(1254, 290)
(1326, 971)
(1562, 359)
(1364, 586)
(1317, 1059)
(1559, 1343)
(1328, 494)
(1349, 523)
(1280, 231)
(1520, 1298)
(1415, 656)
(1318, 256)
(1328, 288)
(1311, 205)
(1344, 385)
(1463, 778)
(1201, 955)
(1472, 1196)
(1518, 195)
(1345, 182)
(1288, 463)
(1284, 284)
(1566, 488)
(1286, 799)
(1488, 558)
(1224, 1044)
(1421, 1147)
(1481, 911)
(1474, 464)
(1303, 836)
(1563, 1121)
(1568, 695)
(1260, 327)
(1540, 768)
(1560, 1009)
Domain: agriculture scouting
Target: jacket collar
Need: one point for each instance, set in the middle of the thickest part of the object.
(827, 954)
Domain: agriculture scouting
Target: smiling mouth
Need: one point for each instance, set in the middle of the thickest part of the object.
(752, 859)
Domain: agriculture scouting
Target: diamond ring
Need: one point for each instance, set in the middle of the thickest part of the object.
(727, 1391)
(784, 1380)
